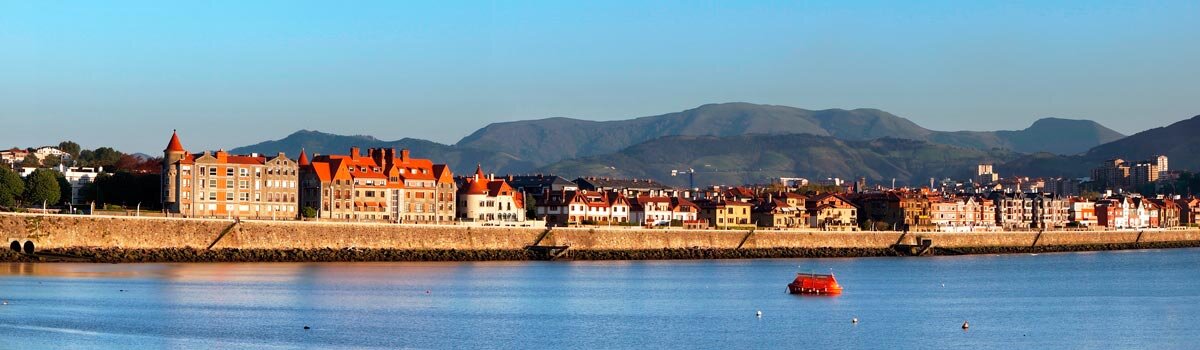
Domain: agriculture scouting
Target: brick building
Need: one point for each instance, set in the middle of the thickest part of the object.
(380, 186)
(219, 184)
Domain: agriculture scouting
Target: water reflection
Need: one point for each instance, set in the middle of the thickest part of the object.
(1125, 299)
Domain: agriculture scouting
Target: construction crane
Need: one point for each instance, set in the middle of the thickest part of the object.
(691, 176)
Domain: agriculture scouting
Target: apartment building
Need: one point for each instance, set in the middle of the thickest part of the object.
(223, 185)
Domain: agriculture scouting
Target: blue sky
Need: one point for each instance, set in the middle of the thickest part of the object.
(230, 73)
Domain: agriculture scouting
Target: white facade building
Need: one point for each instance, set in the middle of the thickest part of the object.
(484, 199)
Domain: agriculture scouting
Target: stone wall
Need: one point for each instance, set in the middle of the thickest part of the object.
(63, 231)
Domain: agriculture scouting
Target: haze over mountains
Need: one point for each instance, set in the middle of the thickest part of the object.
(734, 143)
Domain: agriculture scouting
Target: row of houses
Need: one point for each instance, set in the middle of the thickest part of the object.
(386, 185)
(13, 157)
(382, 185)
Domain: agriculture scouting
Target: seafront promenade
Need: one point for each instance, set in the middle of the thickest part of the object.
(136, 235)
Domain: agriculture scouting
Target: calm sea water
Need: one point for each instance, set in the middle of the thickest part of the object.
(1131, 299)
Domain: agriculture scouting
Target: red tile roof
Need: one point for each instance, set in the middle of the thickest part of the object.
(174, 145)
(303, 158)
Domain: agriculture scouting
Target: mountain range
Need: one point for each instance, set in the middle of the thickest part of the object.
(547, 140)
(740, 142)
(754, 158)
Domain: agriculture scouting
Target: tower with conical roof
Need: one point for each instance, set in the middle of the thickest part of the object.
(303, 160)
(171, 156)
(174, 151)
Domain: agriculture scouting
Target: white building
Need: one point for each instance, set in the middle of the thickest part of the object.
(78, 177)
(42, 153)
(648, 210)
(484, 199)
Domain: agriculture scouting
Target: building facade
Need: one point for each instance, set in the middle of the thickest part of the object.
(484, 199)
(379, 186)
(222, 185)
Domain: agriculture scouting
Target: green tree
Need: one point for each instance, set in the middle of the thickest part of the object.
(31, 161)
(70, 147)
(93, 192)
(42, 187)
(105, 157)
(85, 158)
(308, 212)
(11, 187)
(52, 161)
(7, 200)
(64, 188)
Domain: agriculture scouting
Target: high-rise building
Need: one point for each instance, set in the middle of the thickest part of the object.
(1112, 174)
(1143, 173)
(985, 175)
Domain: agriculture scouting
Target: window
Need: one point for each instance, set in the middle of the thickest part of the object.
(228, 196)
(212, 195)
(212, 183)
(228, 183)
(212, 171)
(243, 172)
(243, 184)
(228, 171)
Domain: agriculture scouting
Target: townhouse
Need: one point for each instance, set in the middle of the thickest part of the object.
(832, 212)
(582, 207)
(660, 210)
(722, 213)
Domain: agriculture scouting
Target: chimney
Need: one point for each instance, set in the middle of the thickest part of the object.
(377, 154)
(353, 152)
(404, 155)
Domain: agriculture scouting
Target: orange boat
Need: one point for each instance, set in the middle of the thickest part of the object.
(818, 284)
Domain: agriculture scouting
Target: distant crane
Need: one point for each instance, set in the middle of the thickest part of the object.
(691, 176)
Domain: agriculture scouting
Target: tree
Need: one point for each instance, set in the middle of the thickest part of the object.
(103, 156)
(42, 187)
(92, 192)
(31, 161)
(11, 187)
(52, 161)
(70, 147)
(64, 188)
(308, 212)
(7, 200)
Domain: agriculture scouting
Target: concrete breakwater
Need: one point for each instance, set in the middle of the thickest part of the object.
(117, 239)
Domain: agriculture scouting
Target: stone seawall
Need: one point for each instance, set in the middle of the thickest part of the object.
(64, 232)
